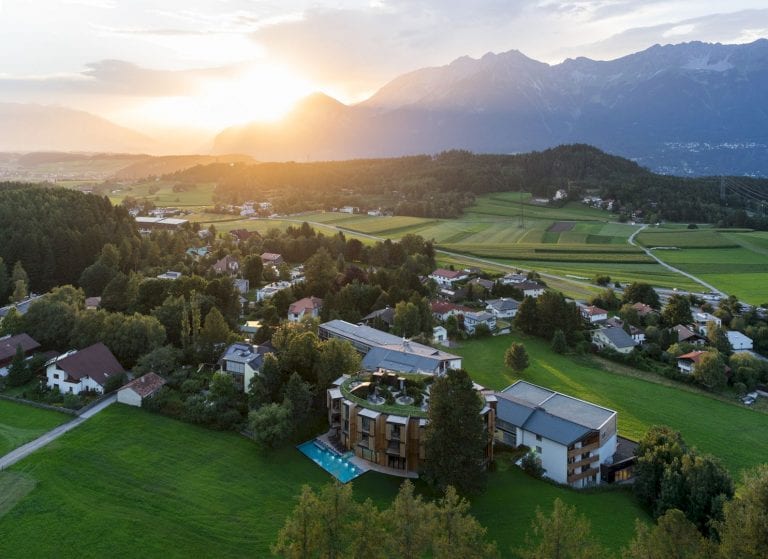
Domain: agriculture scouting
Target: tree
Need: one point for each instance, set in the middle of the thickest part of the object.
(213, 335)
(252, 269)
(559, 343)
(516, 358)
(5, 282)
(407, 320)
(320, 272)
(19, 372)
(336, 358)
(409, 530)
(742, 532)
(19, 274)
(638, 292)
(564, 534)
(455, 437)
(659, 447)
(718, 338)
(531, 464)
(526, 319)
(19, 291)
(267, 386)
(271, 424)
(677, 311)
(115, 296)
(710, 370)
(298, 398)
(673, 537)
(50, 323)
(163, 361)
(455, 533)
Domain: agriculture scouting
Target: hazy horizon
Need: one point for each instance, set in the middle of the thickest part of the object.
(202, 68)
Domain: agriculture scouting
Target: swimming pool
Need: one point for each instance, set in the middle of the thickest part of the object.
(331, 461)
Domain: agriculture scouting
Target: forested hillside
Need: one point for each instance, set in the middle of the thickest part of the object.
(55, 233)
(443, 185)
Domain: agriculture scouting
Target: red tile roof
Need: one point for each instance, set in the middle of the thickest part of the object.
(307, 304)
(146, 385)
(692, 356)
(448, 274)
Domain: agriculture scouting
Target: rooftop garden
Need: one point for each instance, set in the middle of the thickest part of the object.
(389, 392)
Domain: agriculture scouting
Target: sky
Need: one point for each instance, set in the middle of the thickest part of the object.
(208, 64)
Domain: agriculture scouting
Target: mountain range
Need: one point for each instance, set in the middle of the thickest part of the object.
(692, 108)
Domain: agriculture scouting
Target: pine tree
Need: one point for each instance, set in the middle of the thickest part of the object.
(527, 317)
(19, 372)
(516, 357)
(559, 343)
(564, 534)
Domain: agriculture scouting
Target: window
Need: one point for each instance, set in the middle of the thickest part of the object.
(366, 424)
(538, 438)
(56, 376)
(538, 450)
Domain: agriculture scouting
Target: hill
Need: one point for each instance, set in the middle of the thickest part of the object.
(30, 127)
(692, 108)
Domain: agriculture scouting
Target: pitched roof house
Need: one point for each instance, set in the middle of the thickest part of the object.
(308, 306)
(9, 345)
(614, 338)
(502, 308)
(446, 278)
(593, 314)
(271, 258)
(227, 265)
(139, 389)
(685, 334)
(83, 370)
(687, 362)
(243, 361)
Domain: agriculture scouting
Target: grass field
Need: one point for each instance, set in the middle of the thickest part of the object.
(197, 196)
(733, 433)
(20, 424)
(129, 483)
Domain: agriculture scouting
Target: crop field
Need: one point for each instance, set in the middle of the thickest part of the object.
(188, 491)
(20, 424)
(162, 194)
(733, 433)
(734, 261)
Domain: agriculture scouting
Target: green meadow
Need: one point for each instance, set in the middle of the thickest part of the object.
(20, 423)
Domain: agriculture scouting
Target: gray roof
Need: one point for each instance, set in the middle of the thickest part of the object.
(503, 304)
(387, 315)
(398, 360)
(552, 415)
(618, 337)
(252, 355)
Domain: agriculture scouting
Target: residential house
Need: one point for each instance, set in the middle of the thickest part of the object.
(380, 316)
(513, 279)
(504, 308)
(686, 363)
(271, 259)
(83, 370)
(446, 278)
(242, 285)
(270, 289)
(349, 210)
(702, 319)
(686, 335)
(473, 319)
(9, 345)
(439, 335)
(251, 328)
(381, 350)
(243, 361)
(454, 293)
(308, 306)
(21, 307)
(738, 341)
(228, 265)
(92, 303)
(531, 288)
(170, 275)
(243, 235)
(148, 224)
(390, 439)
(198, 252)
(480, 285)
(442, 310)
(635, 333)
(572, 437)
(643, 310)
(613, 338)
(593, 314)
(139, 389)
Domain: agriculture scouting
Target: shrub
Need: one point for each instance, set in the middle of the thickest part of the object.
(531, 464)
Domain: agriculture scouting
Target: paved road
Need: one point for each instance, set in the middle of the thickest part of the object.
(701, 282)
(23, 451)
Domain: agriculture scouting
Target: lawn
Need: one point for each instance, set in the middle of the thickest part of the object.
(735, 434)
(129, 483)
(20, 424)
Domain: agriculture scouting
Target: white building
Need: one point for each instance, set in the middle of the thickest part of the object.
(269, 290)
(474, 319)
(84, 370)
(701, 319)
(573, 438)
(243, 361)
(738, 341)
(614, 338)
(135, 392)
(512, 279)
(439, 335)
(504, 308)
(446, 278)
(593, 314)
(171, 275)
(308, 306)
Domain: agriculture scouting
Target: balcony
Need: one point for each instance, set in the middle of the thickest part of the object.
(585, 474)
(584, 462)
(582, 450)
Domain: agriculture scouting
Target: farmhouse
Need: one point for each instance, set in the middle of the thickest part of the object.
(243, 361)
(385, 351)
(573, 438)
(8, 347)
(308, 306)
(139, 389)
(393, 438)
(738, 341)
(446, 278)
(613, 338)
(83, 370)
(504, 308)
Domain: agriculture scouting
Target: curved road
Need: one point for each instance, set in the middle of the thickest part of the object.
(701, 282)
(25, 450)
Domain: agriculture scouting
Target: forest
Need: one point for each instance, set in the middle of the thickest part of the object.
(445, 184)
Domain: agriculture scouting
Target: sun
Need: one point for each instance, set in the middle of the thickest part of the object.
(263, 92)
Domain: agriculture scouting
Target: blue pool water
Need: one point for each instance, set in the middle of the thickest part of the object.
(335, 464)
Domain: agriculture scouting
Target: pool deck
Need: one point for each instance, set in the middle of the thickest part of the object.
(367, 466)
